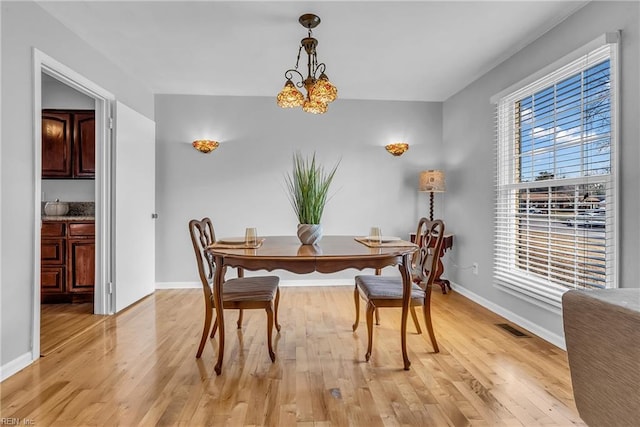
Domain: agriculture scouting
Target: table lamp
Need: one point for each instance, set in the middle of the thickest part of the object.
(433, 182)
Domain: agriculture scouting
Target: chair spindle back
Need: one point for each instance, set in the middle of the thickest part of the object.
(202, 236)
(429, 238)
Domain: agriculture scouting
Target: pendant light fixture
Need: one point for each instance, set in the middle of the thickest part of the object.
(320, 91)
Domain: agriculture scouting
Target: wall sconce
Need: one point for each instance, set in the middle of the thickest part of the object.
(433, 182)
(397, 149)
(205, 145)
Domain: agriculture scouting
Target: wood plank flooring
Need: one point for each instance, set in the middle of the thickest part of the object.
(139, 368)
(60, 323)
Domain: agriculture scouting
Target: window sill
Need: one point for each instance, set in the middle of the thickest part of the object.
(545, 296)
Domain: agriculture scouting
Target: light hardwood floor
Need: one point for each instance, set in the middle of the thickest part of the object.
(138, 368)
(60, 323)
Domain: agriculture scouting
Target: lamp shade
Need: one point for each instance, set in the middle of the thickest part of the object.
(433, 181)
(397, 148)
(205, 145)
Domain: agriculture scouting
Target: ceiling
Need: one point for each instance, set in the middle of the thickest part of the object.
(374, 50)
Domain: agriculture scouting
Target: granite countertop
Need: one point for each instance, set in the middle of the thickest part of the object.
(78, 211)
(68, 218)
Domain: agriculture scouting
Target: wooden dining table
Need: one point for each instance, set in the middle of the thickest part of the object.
(330, 255)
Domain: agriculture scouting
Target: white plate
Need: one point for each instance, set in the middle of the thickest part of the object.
(383, 239)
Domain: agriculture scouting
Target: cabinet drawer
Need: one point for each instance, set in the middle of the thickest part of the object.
(53, 229)
(82, 229)
(52, 251)
(52, 280)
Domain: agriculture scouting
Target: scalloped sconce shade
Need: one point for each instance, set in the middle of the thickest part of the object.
(205, 145)
(397, 149)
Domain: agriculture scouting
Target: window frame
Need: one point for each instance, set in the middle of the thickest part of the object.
(511, 279)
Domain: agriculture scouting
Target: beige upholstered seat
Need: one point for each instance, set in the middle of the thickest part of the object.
(240, 293)
(382, 291)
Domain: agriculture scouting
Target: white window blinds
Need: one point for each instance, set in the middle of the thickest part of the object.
(556, 180)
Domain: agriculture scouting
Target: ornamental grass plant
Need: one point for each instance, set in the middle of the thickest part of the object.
(308, 185)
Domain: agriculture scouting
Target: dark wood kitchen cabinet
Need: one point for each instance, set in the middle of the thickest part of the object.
(81, 251)
(56, 144)
(53, 255)
(68, 144)
(67, 256)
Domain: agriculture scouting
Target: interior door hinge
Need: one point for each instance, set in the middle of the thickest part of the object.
(110, 288)
(110, 122)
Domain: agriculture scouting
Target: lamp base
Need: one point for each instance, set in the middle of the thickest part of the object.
(430, 205)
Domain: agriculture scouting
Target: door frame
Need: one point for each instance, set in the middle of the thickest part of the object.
(104, 101)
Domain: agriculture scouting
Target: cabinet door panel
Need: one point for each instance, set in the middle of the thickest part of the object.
(81, 274)
(56, 145)
(52, 251)
(52, 280)
(84, 137)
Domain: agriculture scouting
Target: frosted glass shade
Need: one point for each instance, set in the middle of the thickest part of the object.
(205, 145)
(290, 96)
(397, 149)
(314, 107)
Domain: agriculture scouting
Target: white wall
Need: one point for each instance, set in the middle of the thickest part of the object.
(57, 95)
(241, 183)
(25, 26)
(468, 147)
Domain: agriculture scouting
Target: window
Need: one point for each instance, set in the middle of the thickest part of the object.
(556, 180)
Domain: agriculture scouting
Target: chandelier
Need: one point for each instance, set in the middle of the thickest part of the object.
(320, 91)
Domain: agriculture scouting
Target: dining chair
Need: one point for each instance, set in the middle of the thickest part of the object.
(385, 291)
(238, 293)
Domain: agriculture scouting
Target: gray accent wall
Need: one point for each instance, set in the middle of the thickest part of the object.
(25, 26)
(468, 147)
(241, 184)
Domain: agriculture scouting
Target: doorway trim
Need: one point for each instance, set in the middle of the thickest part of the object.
(104, 101)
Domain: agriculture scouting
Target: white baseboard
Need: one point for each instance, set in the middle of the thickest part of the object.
(317, 282)
(178, 285)
(283, 283)
(543, 333)
(15, 365)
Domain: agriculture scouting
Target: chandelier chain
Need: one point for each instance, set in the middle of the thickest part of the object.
(298, 59)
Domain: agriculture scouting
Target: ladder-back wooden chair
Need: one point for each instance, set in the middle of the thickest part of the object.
(240, 293)
(384, 291)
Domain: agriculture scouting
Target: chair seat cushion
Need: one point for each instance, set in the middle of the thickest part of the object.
(259, 288)
(375, 287)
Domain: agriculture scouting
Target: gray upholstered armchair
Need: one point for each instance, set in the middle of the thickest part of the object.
(602, 332)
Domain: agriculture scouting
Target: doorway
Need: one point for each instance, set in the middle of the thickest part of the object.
(48, 69)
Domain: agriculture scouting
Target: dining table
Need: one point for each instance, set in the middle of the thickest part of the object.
(330, 255)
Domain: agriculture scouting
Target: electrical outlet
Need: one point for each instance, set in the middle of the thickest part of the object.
(475, 268)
